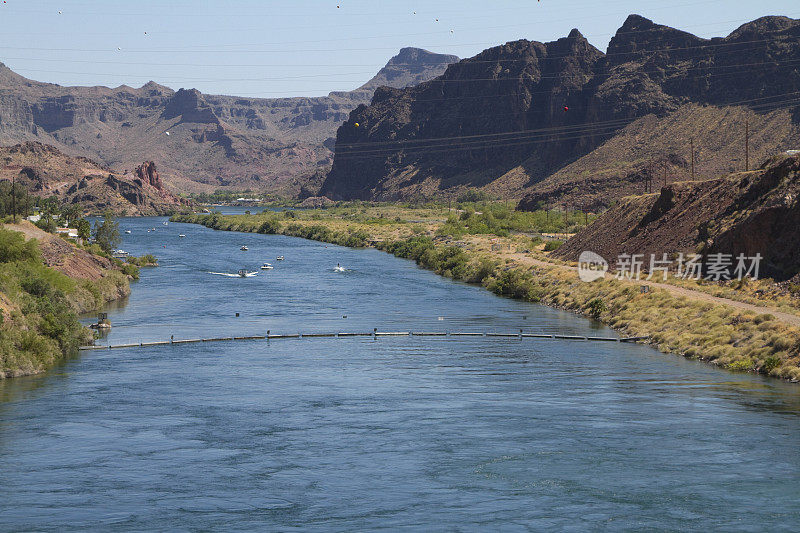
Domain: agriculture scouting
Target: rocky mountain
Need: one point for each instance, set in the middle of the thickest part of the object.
(748, 213)
(44, 171)
(542, 118)
(201, 142)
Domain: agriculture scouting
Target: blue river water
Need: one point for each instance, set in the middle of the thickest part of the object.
(389, 433)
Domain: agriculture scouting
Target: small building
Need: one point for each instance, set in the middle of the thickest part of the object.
(34, 218)
(71, 233)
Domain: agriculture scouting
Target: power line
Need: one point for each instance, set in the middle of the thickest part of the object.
(472, 61)
(485, 141)
(757, 102)
(439, 79)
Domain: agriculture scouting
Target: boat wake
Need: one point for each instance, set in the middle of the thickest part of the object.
(229, 275)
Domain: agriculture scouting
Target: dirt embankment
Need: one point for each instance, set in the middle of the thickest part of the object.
(73, 262)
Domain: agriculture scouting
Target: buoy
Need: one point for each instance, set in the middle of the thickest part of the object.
(357, 124)
(566, 109)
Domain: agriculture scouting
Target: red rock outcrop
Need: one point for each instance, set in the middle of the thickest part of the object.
(148, 174)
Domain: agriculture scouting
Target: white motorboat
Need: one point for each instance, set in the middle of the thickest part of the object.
(266, 266)
(338, 268)
(279, 258)
(244, 248)
(181, 235)
(127, 232)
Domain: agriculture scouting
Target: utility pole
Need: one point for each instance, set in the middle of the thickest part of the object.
(14, 198)
(665, 171)
(692, 143)
(746, 145)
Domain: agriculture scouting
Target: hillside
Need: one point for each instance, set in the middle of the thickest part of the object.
(44, 282)
(214, 141)
(44, 171)
(742, 213)
(566, 123)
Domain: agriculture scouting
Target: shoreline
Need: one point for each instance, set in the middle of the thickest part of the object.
(738, 340)
(47, 284)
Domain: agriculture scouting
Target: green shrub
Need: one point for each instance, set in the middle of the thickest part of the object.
(770, 364)
(596, 308)
(130, 270)
(14, 248)
(35, 286)
(552, 245)
(742, 365)
(270, 226)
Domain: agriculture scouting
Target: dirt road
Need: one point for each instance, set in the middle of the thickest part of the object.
(783, 316)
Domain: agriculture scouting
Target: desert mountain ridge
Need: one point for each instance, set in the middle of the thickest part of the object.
(215, 141)
(563, 122)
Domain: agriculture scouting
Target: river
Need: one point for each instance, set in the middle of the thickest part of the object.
(398, 433)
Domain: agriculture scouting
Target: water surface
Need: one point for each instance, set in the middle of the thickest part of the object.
(343, 434)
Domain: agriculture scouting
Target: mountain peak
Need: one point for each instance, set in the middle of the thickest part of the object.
(636, 22)
(152, 86)
(769, 24)
(419, 56)
(575, 34)
(410, 66)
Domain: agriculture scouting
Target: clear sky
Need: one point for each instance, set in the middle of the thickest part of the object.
(270, 48)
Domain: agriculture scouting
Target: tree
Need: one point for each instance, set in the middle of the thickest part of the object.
(107, 233)
(84, 228)
(50, 205)
(71, 213)
(8, 201)
(47, 223)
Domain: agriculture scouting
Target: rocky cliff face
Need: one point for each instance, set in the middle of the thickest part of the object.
(202, 142)
(147, 173)
(516, 114)
(45, 171)
(748, 213)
